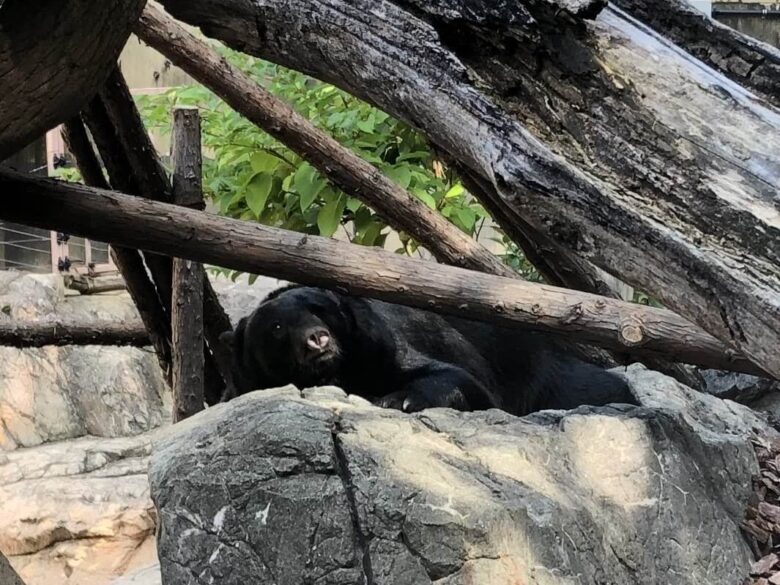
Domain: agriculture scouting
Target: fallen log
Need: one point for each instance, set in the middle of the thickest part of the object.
(188, 276)
(53, 56)
(600, 134)
(741, 58)
(558, 266)
(88, 285)
(23, 334)
(176, 231)
(344, 168)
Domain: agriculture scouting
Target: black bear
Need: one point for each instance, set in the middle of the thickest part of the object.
(407, 358)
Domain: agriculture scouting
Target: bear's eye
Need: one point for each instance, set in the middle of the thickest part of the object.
(276, 328)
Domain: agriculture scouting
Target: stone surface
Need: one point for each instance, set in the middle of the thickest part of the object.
(77, 511)
(57, 393)
(288, 488)
(147, 576)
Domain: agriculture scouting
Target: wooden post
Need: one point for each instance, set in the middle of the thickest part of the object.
(188, 276)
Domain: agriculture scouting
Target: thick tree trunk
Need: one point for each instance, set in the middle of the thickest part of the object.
(185, 233)
(54, 54)
(188, 276)
(599, 134)
(39, 334)
(743, 59)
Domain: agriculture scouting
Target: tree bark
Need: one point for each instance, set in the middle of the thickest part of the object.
(39, 334)
(176, 231)
(133, 167)
(344, 168)
(53, 57)
(599, 134)
(359, 178)
(92, 286)
(742, 59)
(128, 261)
(188, 276)
(155, 185)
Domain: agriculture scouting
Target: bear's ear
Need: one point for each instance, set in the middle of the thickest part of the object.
(235, 339)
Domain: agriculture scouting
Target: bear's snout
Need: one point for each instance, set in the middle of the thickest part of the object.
(317, 340)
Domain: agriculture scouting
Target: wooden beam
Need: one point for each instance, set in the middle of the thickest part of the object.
(180, 232)
(39, 334)
(188, 276)
(133, 167)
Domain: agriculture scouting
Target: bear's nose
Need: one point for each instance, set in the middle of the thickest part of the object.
(318, 340)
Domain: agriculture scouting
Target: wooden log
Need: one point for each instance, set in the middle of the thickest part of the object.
(7, 574)
(344, 168)
(88, 285)
(54, 55)
(144, 161)
(128, 154)
(600, 134)
(128, 261)
(739, 57)
(188, 276)
(39, 334)
(249, 247)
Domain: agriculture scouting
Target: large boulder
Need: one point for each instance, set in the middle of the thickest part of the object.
(317, 487)
(58, 393)
(77, 511)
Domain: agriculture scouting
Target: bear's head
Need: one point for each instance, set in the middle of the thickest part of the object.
(295, 336)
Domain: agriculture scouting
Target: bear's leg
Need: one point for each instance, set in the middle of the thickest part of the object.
(439, 385)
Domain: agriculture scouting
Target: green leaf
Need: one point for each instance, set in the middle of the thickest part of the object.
(329, 217)
(417, 154)
(426, 198)
(353, 204)
(455, 191)
(467, 218)
(263, 162)
(257, 192)
(366, 126)
(371, 234)
(401, 175)
(307, 184)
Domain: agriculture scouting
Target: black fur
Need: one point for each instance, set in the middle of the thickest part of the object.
(407, 358)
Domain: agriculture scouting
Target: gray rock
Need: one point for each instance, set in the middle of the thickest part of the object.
(239, 298)
(288, 488)
(77, 511)
(147, 576)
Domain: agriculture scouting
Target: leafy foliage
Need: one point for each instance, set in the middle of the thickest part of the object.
(250, 175)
